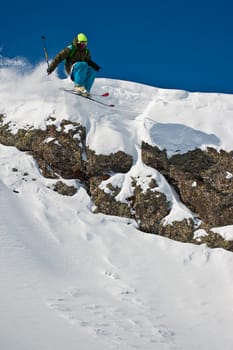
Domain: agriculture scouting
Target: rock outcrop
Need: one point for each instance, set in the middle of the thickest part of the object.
(202, 179)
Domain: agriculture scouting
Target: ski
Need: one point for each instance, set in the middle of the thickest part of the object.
(91, 98)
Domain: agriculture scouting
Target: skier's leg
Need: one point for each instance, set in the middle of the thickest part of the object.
(79, 73)
(90, 78)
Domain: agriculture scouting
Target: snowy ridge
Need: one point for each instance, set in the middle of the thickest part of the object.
(71, 279)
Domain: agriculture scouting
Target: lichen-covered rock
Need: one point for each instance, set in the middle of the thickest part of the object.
(6, 137)
(205, 184)
(150, 207)
(61, 188)
(106, 202)
(57, 151)
(178, 230)
(214, 240)
(98, 164)
(154, 157)
(63, 155)
(203, 180)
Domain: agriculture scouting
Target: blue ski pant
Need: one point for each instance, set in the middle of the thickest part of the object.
(83, 75)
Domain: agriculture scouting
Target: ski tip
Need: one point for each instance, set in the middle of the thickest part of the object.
(105, 94)
(111, 105)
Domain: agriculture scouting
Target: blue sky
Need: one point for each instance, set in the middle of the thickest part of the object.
(172, 44)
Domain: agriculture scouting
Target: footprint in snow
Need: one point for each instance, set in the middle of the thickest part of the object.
(128, 321)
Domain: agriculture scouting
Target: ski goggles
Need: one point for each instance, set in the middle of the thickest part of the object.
(84, 43)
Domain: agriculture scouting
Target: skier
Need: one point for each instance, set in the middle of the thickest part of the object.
(78, 64)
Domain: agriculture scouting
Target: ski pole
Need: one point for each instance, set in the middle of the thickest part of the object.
(45, 50)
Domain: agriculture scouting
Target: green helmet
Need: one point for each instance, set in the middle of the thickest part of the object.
(81, 38)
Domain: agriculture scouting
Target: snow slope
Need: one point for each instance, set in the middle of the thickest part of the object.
(71, 279)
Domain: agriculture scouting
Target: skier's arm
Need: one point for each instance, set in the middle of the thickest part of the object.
(58, 59)
(94, 65)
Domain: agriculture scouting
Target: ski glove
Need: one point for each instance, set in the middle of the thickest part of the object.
(49, 70)
(97, 68)
(94, 65)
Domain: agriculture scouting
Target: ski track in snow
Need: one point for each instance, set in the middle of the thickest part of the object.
(131, 324)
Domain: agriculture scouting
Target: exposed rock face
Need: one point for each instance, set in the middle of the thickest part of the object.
(58, 152)
(179, 230)
(155, 158)
(105, 202)
(150, 208)
(207, 190)
(202, 179)
(98, 164)
(214, 240)
(147, 208)
(64, 189)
